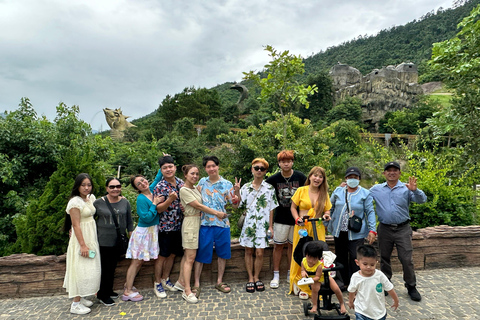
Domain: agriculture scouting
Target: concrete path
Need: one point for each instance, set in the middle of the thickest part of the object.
(447, 294)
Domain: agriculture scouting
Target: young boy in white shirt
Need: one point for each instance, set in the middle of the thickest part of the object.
(366, 289)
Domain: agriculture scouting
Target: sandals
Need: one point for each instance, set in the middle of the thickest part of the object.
(221, 287)
(274, 284)
(250, 287)
(133, 297)
(303, 295)
(197, 291)
(259, 286)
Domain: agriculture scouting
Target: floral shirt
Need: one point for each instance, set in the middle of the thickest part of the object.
(171, 219)
(257, 220)
(215, 196)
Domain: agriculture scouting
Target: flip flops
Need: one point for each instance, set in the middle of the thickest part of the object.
(259, 286)
(250, 287)
(221, 287)
(133, 297)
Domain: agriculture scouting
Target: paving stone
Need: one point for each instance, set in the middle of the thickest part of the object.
(446, 294)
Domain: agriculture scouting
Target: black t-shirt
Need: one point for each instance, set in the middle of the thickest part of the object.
(285, 189)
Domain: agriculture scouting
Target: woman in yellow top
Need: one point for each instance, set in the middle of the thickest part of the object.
(311, 200)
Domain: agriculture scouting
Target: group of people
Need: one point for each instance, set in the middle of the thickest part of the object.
(188, 219)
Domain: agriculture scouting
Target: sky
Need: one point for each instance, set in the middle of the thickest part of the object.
(131, 54)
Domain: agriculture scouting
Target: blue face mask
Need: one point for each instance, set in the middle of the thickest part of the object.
(353, 183)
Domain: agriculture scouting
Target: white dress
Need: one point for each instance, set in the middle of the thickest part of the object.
(82, 276)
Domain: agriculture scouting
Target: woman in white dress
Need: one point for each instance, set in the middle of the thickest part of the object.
(82, 276)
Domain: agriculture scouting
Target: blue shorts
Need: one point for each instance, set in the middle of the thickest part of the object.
(208, 237)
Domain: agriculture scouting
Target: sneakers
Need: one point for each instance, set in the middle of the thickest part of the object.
(78, 308)
(113, 295)
(413, 293)
(159, 291)
(191, 298)
(85, 302)
(167, 284)
(107, 301)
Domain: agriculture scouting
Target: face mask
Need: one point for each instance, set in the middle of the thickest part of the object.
(353, 183)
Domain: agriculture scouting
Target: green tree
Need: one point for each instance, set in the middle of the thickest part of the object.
(460, 58)
(200, 104)
(349, 109)
(321, 101)
(281, 86)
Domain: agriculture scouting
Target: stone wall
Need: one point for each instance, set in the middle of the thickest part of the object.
(27, 275)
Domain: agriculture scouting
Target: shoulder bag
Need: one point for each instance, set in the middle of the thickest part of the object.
(354, 222)
(122, 239)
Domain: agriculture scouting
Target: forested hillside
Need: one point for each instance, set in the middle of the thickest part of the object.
(411, 42)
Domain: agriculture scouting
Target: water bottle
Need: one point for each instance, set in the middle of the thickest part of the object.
(269, 235)
(302, 233)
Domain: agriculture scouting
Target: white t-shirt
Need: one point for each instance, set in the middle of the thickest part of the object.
(370, 299)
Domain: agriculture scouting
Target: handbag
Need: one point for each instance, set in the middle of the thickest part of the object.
(241, 219)
(122, 239)
(354, 222)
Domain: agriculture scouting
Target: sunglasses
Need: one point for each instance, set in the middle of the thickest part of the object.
(118, 186)
(256, 168)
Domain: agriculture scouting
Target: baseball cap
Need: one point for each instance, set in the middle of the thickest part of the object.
(391, 164)
(353, 170)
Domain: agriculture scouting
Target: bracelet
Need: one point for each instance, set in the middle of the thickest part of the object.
(373, 232)
(296, 221)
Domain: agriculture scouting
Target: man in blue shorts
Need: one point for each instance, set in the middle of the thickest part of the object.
(216, 192)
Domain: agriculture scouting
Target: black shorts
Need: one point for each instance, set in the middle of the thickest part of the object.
(170, 242)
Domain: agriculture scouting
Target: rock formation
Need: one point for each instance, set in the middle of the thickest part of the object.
(388, 89)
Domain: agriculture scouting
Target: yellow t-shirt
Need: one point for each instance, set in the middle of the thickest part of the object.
(317, 265)
(302, 200)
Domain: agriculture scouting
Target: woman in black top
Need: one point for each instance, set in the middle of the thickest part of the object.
(107, 235)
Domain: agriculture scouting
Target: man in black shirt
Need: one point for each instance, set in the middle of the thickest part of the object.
(285, 182)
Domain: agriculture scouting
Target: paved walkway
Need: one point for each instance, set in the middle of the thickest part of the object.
(447, 294)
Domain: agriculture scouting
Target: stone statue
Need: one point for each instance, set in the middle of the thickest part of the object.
(117, 122)
(243, 92)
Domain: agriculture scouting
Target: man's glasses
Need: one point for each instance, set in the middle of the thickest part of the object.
(118, 186)
(256, 168)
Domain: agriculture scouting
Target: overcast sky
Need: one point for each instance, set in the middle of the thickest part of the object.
(132, 53)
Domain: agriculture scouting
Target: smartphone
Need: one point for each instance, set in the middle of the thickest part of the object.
(91, 253)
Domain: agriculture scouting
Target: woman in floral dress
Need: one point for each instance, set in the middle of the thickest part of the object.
(259, 200)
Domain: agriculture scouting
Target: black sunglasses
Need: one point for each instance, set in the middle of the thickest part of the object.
(118, 186)
(256, 168)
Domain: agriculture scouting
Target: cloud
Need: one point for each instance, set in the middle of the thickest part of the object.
(131, 54)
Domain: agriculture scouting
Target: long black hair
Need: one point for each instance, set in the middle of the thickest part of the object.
(75, 192)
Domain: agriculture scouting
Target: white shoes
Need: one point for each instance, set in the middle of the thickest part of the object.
(79, 308)
(159, 291)
(85, 302)
(179, 286)
(167, 284)
(274, 283)
(191, 298)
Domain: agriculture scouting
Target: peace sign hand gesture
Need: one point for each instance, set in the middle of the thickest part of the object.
(412, 184)
(236, 186)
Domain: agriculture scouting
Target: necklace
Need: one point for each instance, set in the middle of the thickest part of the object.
(286, 180)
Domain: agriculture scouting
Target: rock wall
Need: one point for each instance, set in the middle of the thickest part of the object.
(28, 275)
(382, 90)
